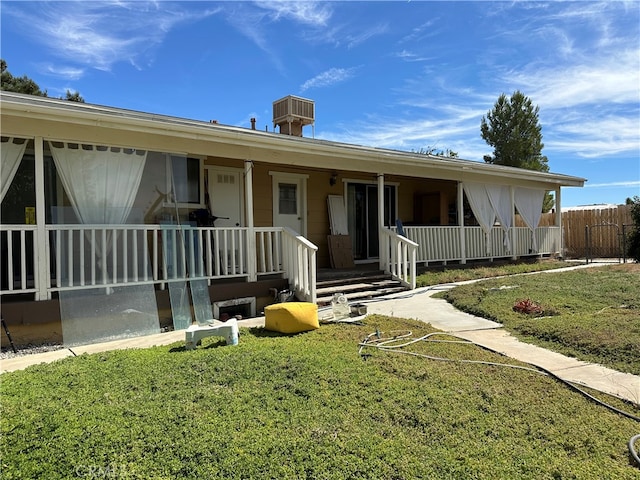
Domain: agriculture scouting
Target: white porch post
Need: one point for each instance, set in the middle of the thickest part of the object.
(514, 256)
(382, 241)
(42, 265)
(559, 221)
(463, 240)
(252, 261)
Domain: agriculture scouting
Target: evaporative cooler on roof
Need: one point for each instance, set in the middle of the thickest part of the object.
(291, 113)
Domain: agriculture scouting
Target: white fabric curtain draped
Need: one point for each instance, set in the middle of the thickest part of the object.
(482, 209)
(101, 182)
(529, 204)
(11, 155)
(500, 198)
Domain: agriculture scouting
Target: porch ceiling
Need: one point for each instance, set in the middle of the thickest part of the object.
(29, 116)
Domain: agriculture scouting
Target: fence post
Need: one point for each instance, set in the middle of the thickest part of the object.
(624, 243)
(586, 243)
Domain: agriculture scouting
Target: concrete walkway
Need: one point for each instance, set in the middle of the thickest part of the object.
(417, 305)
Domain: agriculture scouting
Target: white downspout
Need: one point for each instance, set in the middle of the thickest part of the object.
(252, 261)
(41, 244)
(463, 240)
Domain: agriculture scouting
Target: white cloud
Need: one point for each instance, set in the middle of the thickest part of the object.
(426, 29)
(357, 39)
(406, 55)
(306, 12)
(460, 133)
(99, 34)
(596, 136)
(255, 23)
(612, 77)
(328, 78)
(409, 56)
(635, 183)
(70, 73)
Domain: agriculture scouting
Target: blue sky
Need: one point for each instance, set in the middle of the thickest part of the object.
(406, 75)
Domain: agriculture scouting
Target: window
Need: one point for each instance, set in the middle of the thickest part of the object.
(288, 199)
(186, 180)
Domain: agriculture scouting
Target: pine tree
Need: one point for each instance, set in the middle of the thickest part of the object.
(513, 130)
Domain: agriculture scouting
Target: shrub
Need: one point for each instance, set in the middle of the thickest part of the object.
(528, 307)
(633, 238)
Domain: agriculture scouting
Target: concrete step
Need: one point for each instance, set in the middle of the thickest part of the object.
(359, 290)
(354, 297)
(355, 287)
(360, 278)
(360, 285)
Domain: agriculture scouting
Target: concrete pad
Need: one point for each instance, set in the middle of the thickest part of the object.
(251, 322)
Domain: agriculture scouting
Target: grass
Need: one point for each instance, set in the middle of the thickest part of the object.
(304, 406)
(592, 314)
(461, 273)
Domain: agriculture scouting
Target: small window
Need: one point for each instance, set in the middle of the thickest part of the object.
(186, 179)
(288, 199)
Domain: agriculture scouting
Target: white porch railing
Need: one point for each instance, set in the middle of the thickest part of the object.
(19, 259)
(269, 250)
(435, 244)
(98, 255)
(86, 256)
(401, 256)
(299, 264)
(443, 244)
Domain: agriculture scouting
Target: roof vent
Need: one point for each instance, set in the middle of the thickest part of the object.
(291, 113)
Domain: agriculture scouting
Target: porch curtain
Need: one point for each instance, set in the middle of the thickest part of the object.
(101, 182)
(11, 155)
(500, 198)
(529, 204)
(482, 209)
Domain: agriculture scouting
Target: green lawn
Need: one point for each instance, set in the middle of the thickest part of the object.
(592, 314)
(305, 406)
(460, 273)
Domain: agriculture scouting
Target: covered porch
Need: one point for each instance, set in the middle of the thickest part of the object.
(47, 254)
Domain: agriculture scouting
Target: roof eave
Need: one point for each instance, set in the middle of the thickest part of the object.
(376, 159)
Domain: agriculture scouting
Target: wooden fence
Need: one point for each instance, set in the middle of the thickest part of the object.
(605, 230)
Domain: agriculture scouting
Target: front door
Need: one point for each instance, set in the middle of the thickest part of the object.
(289, 201)
(226, 199)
